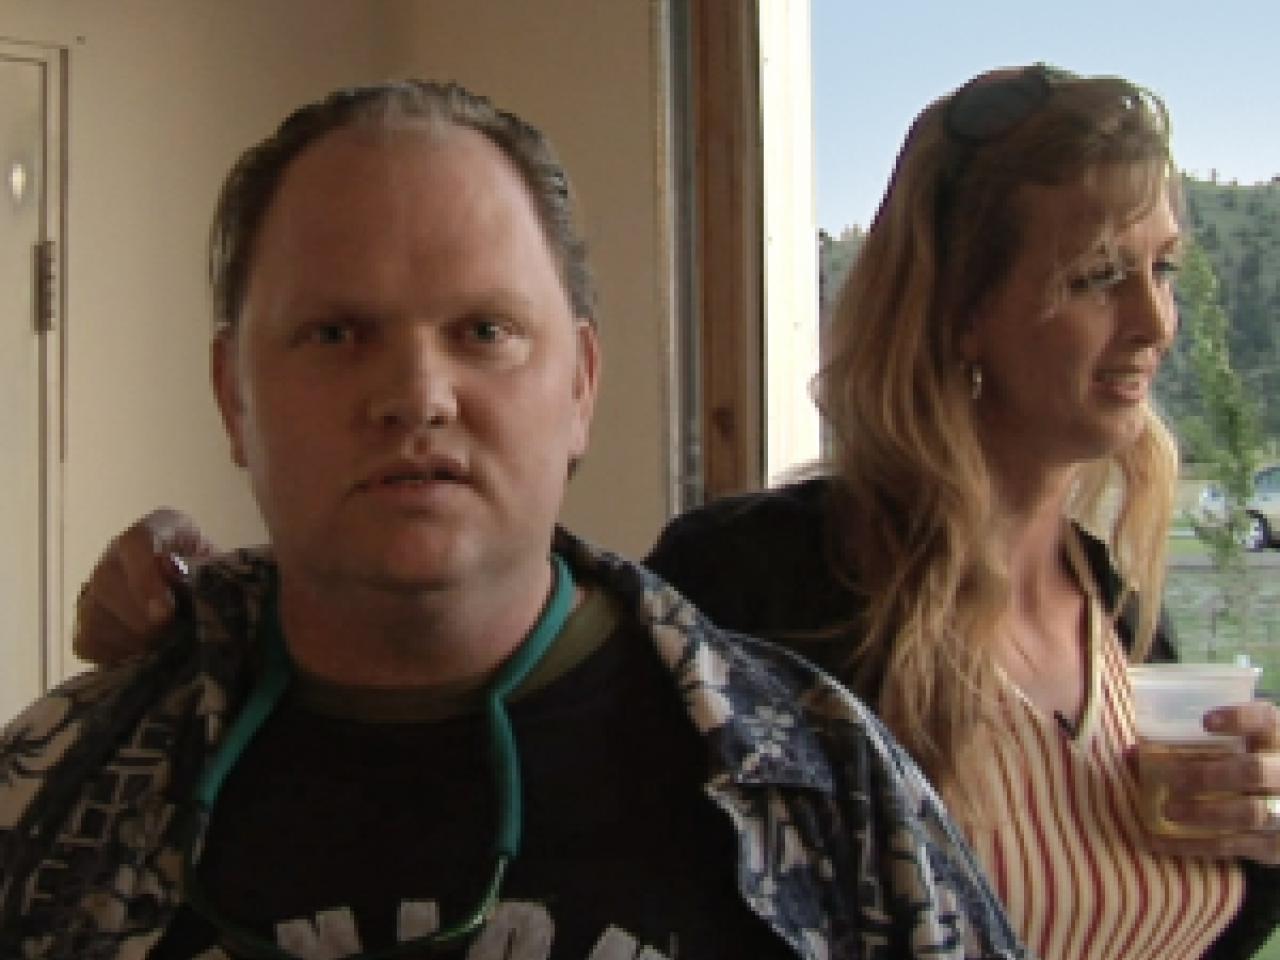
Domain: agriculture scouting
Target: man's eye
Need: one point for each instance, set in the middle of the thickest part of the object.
(500, 342)
(487, 331)
(334, 333)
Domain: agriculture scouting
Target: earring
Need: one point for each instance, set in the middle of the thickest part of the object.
(975, 380)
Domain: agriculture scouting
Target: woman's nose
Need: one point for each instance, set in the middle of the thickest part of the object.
(1150, 312)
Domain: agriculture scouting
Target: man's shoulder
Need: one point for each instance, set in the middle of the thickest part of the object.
(47, 725)
(226, 591)
(81, 719)
(58, 744)
(773, 722)
(730, 679)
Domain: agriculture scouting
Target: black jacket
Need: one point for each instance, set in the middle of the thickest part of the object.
(761, 563)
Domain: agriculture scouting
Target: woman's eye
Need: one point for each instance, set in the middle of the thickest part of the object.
(1102, 277)
(1167, 270)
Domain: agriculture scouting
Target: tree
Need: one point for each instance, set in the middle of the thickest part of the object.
(1225, 436)
(834, 257)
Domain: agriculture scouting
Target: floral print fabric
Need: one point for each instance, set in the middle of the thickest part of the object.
(844, 847)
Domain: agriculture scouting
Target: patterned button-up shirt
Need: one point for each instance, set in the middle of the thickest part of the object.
(845, 849)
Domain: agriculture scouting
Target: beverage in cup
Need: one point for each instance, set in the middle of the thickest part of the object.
(1169, 703)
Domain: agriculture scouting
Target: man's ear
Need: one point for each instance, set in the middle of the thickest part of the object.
(225, 373)
(586, 379)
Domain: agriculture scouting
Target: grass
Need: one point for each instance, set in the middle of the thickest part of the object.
(1269, 950)
(1207, 628)
(1210, 629)
(1184, 546)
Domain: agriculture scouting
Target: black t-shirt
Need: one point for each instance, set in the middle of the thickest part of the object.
(326, 813)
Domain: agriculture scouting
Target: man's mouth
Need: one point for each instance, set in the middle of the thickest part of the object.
(418, 478)
(407, 475)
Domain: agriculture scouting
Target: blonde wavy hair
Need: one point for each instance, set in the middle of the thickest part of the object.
(914, 500)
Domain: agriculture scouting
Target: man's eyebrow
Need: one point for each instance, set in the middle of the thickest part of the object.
(342, 304)
(325, 308)
(498, 300)
(503, 302)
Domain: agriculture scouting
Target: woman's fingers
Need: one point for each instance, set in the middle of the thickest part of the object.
(128, 597)
(1235, 797)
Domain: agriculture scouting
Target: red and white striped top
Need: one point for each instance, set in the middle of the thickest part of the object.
(1067, 855)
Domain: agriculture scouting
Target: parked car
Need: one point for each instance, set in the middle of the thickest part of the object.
(1263, 505)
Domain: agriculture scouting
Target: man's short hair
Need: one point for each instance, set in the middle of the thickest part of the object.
(253, 182)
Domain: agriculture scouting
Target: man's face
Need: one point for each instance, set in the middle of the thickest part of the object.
(407, 383)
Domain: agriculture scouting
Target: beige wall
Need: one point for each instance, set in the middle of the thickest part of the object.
(164, 94)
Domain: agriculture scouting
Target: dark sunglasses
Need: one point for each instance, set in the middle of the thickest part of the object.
(990, 107)
(987, 108)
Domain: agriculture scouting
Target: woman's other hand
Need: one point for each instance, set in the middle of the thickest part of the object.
(129, 596)
(1238, 794)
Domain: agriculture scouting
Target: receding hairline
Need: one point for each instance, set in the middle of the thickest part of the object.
(386, 122)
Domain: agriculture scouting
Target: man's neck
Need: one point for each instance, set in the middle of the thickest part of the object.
(368, 636)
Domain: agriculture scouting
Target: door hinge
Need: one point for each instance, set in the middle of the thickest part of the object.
(46, 252)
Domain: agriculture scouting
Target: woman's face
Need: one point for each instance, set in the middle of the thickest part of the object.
(1069, 344)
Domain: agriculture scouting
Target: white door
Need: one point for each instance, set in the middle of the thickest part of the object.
(30, 370)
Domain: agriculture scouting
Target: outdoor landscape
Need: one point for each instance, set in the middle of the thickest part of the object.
(1224, 613)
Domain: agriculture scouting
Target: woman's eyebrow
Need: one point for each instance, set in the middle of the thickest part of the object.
(1175, 243)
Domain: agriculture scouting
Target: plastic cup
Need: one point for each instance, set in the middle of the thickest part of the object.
(1169, 704)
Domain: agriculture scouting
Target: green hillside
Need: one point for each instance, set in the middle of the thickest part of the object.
(834, 256)
(1239, 228)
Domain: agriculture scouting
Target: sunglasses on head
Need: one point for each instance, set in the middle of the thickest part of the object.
(987, 108)
(992, 105)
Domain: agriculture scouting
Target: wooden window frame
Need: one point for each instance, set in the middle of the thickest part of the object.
(728, 240)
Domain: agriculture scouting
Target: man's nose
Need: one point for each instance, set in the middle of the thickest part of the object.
(413, 386)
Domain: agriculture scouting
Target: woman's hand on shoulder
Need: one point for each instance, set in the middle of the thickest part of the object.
(128, 598)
